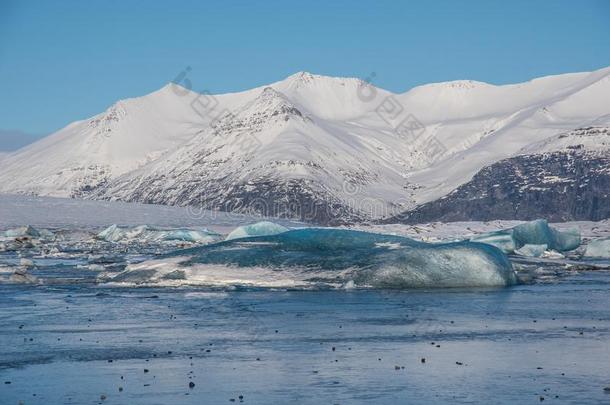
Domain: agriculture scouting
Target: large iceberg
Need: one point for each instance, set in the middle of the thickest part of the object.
(263, 228)
(332, 257)
(145, 233)
(598, 248)
(536, 232)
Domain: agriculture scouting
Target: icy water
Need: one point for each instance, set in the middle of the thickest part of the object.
(76, 327)
(82, 343)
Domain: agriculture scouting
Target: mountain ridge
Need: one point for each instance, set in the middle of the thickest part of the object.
(311, 140)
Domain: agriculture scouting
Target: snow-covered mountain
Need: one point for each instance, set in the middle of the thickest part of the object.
(86, 153)
(563, 178)
(314, 147)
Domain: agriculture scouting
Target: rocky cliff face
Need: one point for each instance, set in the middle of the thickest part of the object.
(561, 185)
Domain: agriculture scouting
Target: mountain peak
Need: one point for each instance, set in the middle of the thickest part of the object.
(459, 85)
(270, 106)
(271, 103)
(304, 79)
(269, 93)
(301, 78)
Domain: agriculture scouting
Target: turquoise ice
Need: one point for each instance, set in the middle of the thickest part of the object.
(354, 257)
(536, 232)
(263, 228)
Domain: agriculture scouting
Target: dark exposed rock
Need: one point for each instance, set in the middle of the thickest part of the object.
(560, 186)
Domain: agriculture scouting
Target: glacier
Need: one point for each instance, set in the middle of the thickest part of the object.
(21, 276)
(314, 257)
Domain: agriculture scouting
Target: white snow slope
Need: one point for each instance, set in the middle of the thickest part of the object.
(347, 140)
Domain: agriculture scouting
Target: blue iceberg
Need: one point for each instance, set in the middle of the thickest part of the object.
(330, 257)
(536, 232)
(539, 232)
(263, 228)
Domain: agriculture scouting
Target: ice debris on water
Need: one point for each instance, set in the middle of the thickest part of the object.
(28, 231)
(598, 248)
(552, 254)
(147, 234)
(24, 262)
(334, 257)
(531, 250)
(263, 228)
(536, 232)
(21, 276)
(24, 237)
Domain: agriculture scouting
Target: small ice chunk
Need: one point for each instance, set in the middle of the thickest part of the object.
(21, 232)
(26, 262)
(112, 234)
(529, 250)
(28, 232)
(21, 276)
(96, 267)
(552, 254)
(264, 228)
(598, 248)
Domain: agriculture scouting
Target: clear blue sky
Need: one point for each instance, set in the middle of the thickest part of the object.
(66, 60)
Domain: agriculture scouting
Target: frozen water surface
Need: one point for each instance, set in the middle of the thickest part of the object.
(73, 344)
(69, 336)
